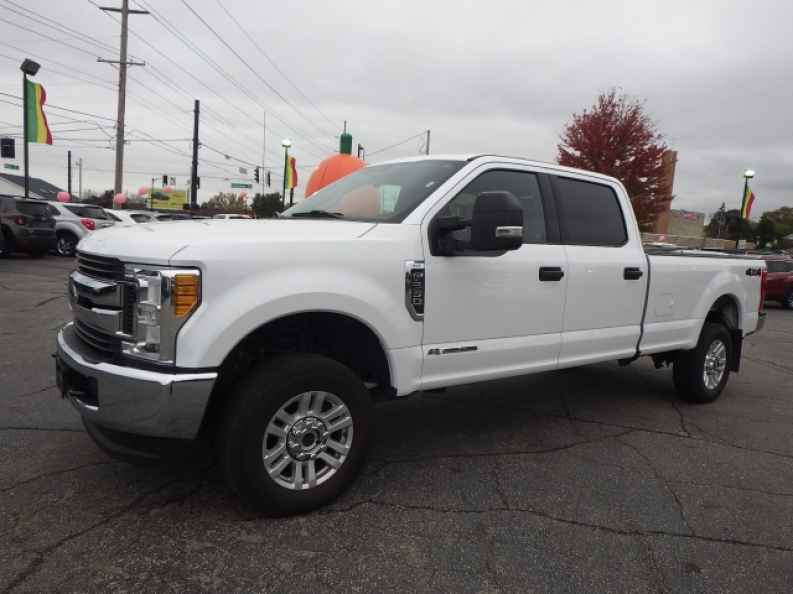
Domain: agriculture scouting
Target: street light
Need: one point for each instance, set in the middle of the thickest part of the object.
(286, 143)
(28, 67)
(747, 175)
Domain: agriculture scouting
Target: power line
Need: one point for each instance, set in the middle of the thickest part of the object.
(60, 28)
(51, 106)
(396, 144)
(249, 67)
(165, 23)
(272, 62)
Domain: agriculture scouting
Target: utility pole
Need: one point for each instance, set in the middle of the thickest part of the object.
(194, 171)
(122, 86)
(263, 177)
(69, 170)
(80, 178)
(427, 144)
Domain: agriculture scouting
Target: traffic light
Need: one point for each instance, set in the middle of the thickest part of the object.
(7, 148)
(164, 180)
(256, 175)
(267, 179)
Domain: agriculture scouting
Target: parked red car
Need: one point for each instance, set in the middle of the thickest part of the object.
(779, 282)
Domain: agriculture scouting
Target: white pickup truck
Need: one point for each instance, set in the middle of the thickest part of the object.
(271, 339)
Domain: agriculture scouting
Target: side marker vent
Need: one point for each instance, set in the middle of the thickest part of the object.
(414, 289)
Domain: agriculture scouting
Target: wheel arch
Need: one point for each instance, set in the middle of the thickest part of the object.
(337, 335)
(726, 310)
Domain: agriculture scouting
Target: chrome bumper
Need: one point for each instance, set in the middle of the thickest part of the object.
(129, 399)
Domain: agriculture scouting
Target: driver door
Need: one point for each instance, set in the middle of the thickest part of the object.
(497, 313)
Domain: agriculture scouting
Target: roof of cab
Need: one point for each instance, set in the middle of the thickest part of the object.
(494, 156)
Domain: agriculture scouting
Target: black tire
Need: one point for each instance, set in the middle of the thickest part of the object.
(256, 400)
(787, 300)
(689, 366)
(66, 244)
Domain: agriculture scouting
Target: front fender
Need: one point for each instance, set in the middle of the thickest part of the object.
(226, 317)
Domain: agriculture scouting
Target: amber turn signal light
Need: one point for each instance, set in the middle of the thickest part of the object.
(185, 294)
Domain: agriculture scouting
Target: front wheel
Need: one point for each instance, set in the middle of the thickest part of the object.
(296, 433)
(701, 374)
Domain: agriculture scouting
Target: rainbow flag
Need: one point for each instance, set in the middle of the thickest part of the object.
(291, 174)
(37, 130)
(748, 201)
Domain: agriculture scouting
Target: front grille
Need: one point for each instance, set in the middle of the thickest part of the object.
(97, 340)
(100, 266)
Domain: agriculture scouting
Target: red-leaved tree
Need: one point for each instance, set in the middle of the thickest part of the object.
(616, 137)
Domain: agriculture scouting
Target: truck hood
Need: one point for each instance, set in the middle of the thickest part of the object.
(157, 243)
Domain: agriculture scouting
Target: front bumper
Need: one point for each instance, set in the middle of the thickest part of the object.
(129, 399)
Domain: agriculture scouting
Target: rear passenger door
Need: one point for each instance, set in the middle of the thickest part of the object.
(606, 272)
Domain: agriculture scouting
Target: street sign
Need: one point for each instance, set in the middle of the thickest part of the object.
(10, 166)
(245, 185)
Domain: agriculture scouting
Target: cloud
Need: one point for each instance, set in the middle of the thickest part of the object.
(484, 77)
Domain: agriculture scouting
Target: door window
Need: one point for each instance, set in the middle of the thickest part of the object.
(590, 213)
(521, 184)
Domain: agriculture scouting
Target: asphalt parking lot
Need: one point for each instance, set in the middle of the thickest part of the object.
(588, 480)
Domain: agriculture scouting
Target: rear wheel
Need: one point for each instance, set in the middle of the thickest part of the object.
(296, 434)
(701, 374)
(66, 244)
(787, 300)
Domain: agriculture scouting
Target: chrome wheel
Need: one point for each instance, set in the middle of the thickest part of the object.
(307, 440)
(715, 364)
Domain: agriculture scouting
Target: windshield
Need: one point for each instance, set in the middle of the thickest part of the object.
(381, 193)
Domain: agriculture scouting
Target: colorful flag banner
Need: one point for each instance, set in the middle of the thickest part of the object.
(37, 129)
(291, 177)
(748, 201)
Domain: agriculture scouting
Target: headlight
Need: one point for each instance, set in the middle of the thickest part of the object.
(164, 300)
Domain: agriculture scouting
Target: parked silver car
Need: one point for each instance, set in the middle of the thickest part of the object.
(73, 221)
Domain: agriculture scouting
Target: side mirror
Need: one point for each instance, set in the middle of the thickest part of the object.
(496, 222)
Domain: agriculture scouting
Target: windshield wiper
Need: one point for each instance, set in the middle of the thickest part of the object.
(317, 214)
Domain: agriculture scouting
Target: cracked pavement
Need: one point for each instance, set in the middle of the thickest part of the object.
(594, 479)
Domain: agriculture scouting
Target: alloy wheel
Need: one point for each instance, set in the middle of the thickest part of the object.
(307, 440)
(715, 364)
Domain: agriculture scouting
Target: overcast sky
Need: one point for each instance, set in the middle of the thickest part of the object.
(498, 77)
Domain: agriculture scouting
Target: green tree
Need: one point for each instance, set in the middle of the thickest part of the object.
(267, 205)
(775, 225)
(766, 232)
(718, 223)
(228, 201)
(105, 199)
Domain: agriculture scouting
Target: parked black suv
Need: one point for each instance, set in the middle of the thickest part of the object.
(25, 226)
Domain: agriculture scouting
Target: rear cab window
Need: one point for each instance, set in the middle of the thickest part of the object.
(589, 213)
